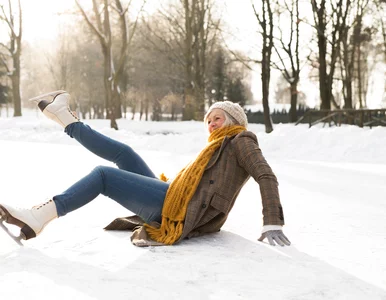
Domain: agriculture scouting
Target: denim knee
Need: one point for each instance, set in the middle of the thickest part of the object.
(100, 171)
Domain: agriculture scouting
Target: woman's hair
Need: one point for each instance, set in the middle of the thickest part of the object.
(229, 120)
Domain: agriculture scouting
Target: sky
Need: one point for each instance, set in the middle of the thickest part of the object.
(331, 183)
(42, 16)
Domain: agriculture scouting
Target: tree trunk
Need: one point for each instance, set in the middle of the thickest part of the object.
(14, 52)
(146, 109)
(338, 19)
(324, 89)
(16, 87)
(348, 67)
(291, 69)
(267, 27)
(141, 110)
(188, 105)
(265, 78)
(133, 108)
(173, 109)
(294, 102)
(200, 46)
(188, 99)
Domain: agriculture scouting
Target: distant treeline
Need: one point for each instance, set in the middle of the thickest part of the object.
(359, 117)
(277, 116)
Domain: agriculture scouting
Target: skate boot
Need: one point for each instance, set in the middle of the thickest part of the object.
(55, 105)
(31, 221)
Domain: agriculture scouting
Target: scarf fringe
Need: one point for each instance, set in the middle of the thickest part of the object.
(163, 177)
(167, 233)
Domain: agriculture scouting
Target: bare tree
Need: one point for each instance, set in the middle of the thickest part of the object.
(265, 19)
(59, 64)
(290, 47)
(171, 104)
(361, 38)
(381, 9)
(347, 69)
(151, 71)
(217, 76)
(187, 34)
(329, 25)
(13, 50)
(85, 72)
(102, 28)
(354, 56)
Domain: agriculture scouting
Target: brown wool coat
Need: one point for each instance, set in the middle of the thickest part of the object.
(238, 159)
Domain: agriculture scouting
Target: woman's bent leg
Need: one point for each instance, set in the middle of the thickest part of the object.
(120, 154)
(140, 194)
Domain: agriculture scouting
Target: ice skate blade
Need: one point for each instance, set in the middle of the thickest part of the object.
(22, 236)
(16, 239)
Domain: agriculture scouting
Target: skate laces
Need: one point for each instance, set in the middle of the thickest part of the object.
(41, 205)
(68, 108)
(72, 113)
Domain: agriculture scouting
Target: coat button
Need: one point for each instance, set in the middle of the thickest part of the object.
(203, 206)
(211, 181)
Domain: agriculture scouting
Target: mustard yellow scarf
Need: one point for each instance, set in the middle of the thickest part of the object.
(183, 187)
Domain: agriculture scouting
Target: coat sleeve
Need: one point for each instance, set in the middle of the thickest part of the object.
(250, 157)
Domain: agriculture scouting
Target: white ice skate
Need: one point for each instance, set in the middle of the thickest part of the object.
(55, 105)
(31, 221)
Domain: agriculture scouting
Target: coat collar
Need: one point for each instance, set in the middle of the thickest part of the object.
(216, 155)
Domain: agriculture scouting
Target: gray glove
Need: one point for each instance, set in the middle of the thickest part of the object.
(277, 236)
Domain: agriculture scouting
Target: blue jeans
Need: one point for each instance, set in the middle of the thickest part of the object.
(133, 185)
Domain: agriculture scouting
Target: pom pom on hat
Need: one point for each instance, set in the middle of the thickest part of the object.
(233, 109)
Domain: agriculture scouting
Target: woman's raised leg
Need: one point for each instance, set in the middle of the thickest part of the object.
(120, 154)
(55, 105)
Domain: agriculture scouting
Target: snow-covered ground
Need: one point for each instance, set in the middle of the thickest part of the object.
(332, 186)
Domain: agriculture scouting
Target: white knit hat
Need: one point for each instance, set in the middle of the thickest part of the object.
(233, 109)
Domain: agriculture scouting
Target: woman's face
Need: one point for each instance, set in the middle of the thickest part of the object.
(215, 119)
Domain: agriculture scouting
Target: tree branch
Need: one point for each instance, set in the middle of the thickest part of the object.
(100, 35)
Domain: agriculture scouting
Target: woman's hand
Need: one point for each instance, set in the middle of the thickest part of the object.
(274, 233)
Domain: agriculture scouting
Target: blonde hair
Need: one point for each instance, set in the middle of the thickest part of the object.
(229, 120)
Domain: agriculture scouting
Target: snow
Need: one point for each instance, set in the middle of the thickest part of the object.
(332, 186)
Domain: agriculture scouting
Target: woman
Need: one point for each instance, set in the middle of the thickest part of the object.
(196, 202)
